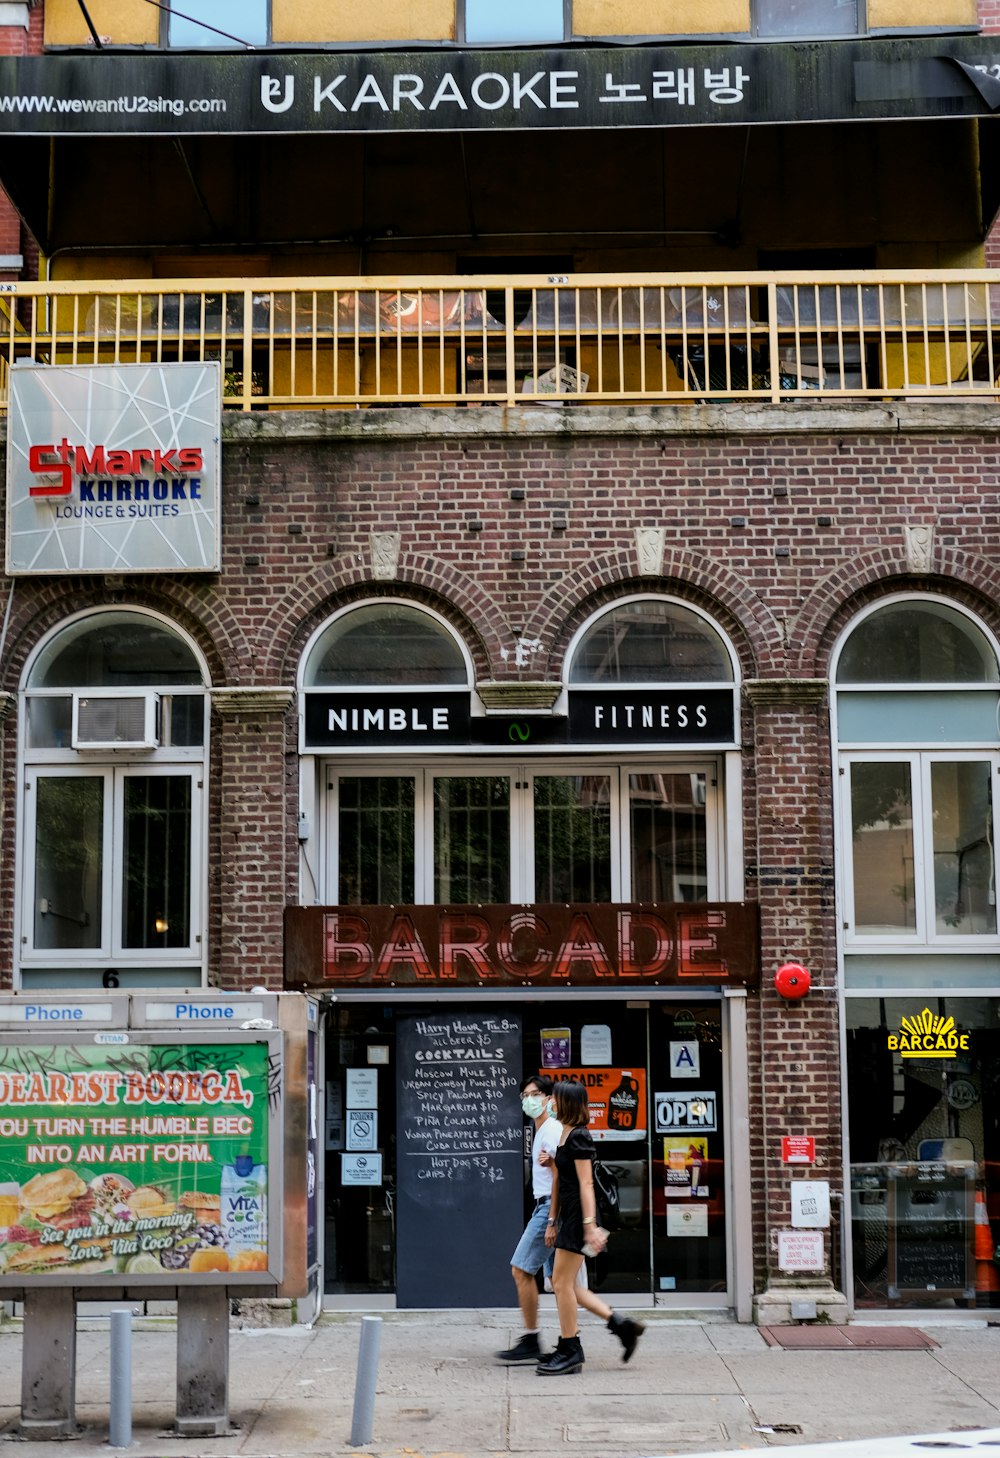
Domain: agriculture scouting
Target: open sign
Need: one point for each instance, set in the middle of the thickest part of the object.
(685, 1112)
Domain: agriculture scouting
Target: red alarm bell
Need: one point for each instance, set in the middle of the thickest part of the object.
(792, 981)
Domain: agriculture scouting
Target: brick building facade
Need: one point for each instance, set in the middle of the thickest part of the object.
(768, 534)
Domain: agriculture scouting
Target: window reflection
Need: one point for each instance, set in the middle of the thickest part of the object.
(385, 644)
(375, 834)
(667, 820)
(572, 822)
(651, 642)
(69, 846)
(806, 17)
(917, 643)
(962, 820)
(882, 848)
(471, 839)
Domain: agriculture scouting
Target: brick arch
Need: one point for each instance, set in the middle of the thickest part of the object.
(472, 612)
(215, 630)
(973, 582)
(707, 584)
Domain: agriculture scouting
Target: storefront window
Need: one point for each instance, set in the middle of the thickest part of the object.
(667, 1149)
(925, 1150)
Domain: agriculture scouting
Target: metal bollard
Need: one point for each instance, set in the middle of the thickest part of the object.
(364, 1387)
(120, 1428)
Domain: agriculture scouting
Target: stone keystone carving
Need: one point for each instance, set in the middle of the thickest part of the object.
(919, 547)
(649, 550)
(385, 555)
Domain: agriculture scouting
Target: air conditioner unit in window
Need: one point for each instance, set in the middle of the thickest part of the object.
(116, 721)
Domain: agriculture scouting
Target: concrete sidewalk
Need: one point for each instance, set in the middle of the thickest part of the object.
(692, 1385)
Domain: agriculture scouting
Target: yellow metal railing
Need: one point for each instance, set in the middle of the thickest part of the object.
(352, 342)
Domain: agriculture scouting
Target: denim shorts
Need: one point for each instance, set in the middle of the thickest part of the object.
(532, 1253)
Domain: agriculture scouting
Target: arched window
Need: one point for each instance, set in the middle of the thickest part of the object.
(385, 644)
(917, 729)
(113, 744)
(918, 643)
(650, 640)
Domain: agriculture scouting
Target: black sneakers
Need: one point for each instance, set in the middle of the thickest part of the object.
(525, 1350)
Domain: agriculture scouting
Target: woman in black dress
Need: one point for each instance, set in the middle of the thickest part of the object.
(574, 1231)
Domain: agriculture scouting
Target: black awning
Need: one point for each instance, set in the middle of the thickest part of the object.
(262, 93)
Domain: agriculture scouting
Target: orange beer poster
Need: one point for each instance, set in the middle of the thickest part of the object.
(617, 1099)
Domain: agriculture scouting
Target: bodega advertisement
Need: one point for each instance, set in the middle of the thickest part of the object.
(616, 1098)
(114, 468)
(147, 1162)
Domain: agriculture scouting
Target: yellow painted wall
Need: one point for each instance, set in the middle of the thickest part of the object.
(126, 22)
(122, 21)
(660, 17)
(69, 267)
(332, 20)
(920, 12)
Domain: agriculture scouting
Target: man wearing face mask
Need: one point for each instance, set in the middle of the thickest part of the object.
(532, 1254)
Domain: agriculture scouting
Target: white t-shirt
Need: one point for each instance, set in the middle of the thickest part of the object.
(547, 1136)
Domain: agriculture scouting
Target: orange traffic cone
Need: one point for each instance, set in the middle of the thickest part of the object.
(984, 1235)
(987, 1275)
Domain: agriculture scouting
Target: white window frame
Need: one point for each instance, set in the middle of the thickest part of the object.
(165, 759)
(522, 776)
(114, 778)
(925, 934)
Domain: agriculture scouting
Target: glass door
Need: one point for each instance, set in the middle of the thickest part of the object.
(665, 1062)
(360, 1152)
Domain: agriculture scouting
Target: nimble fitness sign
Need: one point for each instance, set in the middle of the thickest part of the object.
(114, 468)
(148, 1161)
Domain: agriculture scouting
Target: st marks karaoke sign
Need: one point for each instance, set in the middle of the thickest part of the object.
(113, 468)
(450, 89)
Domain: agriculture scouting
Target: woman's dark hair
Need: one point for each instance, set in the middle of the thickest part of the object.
(542, 1082)
(572, 1108)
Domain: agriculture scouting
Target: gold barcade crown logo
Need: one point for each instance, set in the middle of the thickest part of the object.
(928, 1035)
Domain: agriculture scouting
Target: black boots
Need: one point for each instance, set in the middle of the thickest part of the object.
(568, 1355)
(567, 1358)
(627, 1331)
(527, 1349)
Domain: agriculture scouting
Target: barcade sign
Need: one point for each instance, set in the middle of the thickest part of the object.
(551, 946)
(114, 468)
(146, 1162)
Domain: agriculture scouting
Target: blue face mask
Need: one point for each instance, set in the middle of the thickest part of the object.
(533, 1105)
(551, 1109)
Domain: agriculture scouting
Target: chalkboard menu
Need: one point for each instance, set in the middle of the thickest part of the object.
(930, 1222)
(460, 1189)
